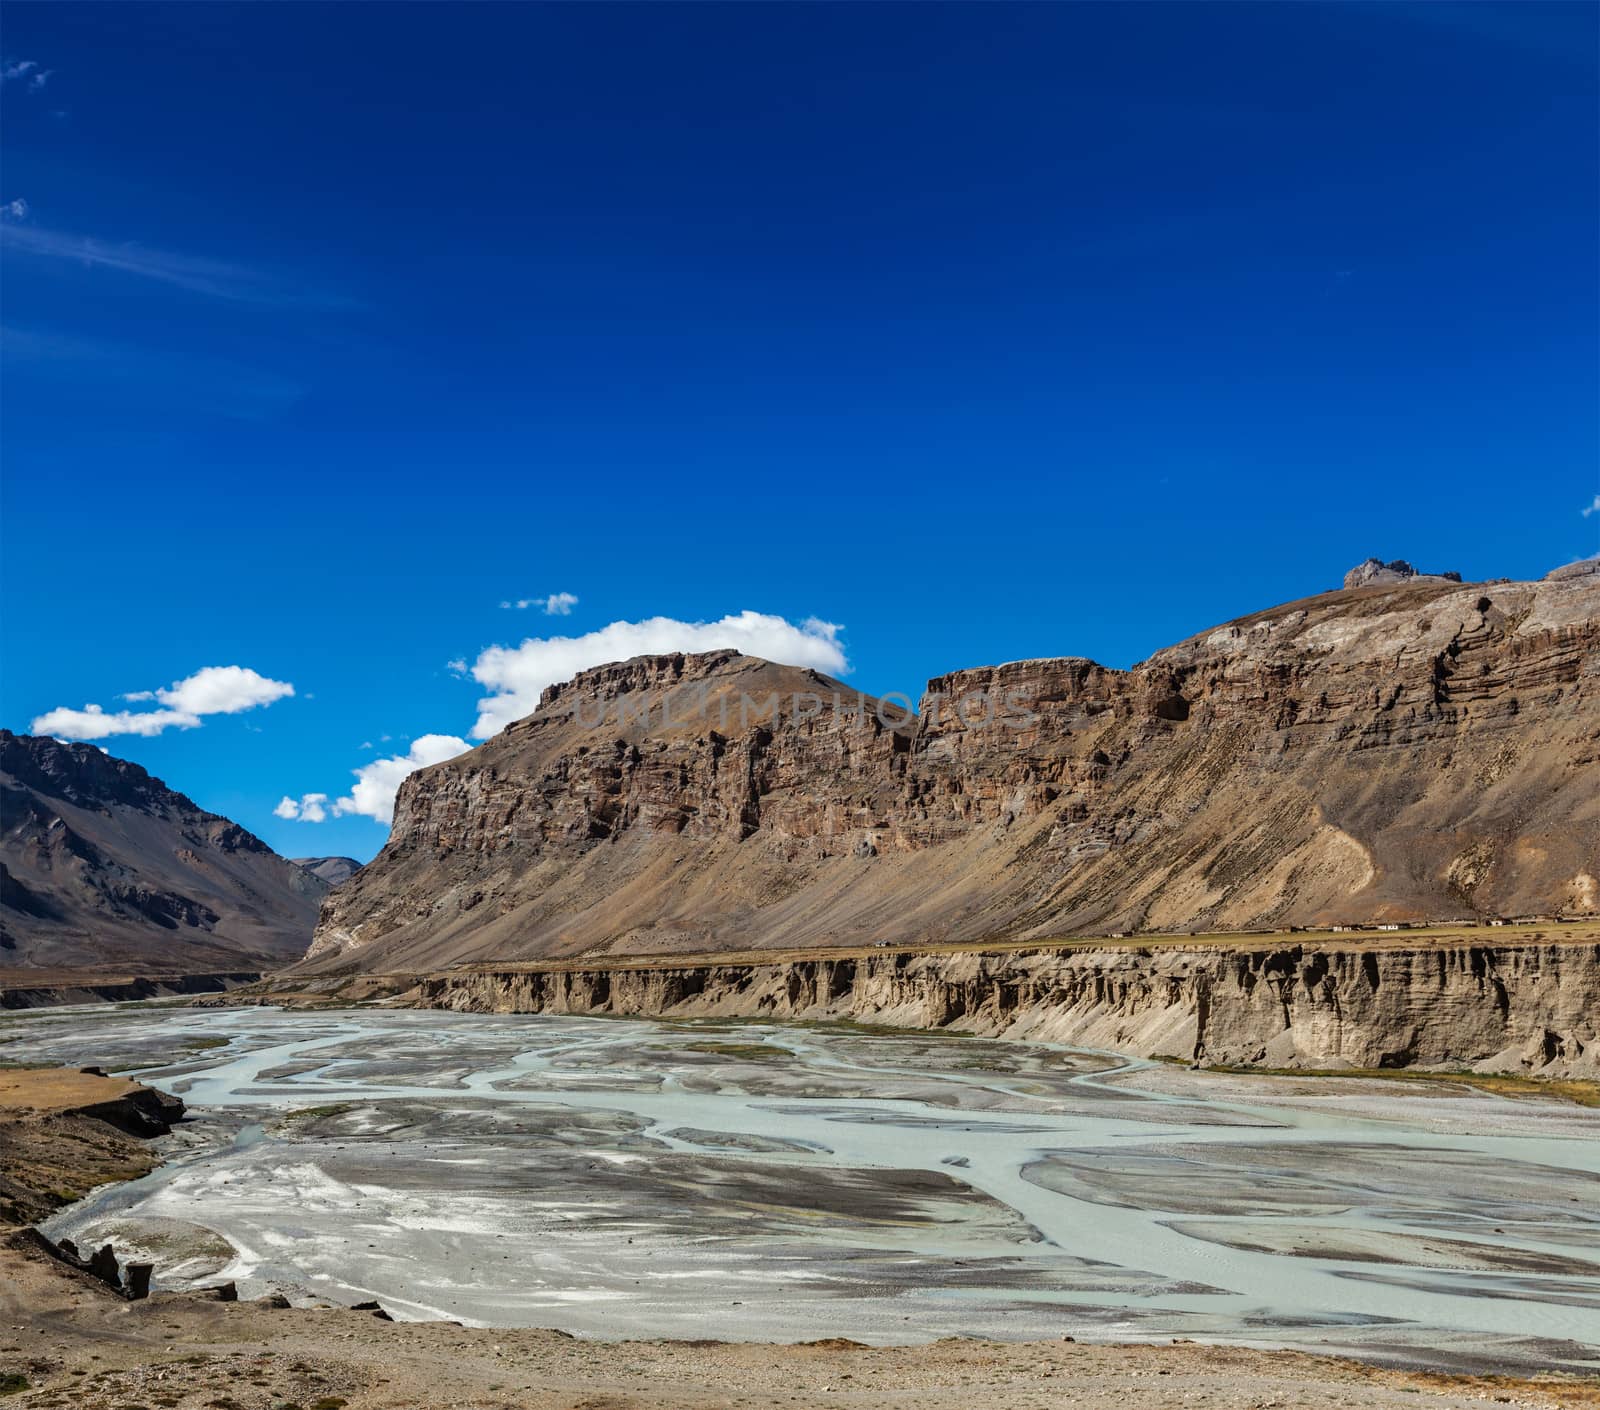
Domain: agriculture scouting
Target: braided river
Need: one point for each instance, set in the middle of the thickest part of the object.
(766, 1181)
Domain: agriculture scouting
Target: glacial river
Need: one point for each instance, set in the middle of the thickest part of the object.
(771, 1181)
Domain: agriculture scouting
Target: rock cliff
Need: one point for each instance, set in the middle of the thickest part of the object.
(1415, 749)
(1513, 1007)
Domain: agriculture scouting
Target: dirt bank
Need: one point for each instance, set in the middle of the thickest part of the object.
(63, 1132)
(44, 988)
(1524, 1008)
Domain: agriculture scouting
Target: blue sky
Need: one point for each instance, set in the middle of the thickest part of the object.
(975, 332)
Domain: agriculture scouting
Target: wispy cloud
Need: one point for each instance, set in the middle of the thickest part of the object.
(213, 690)
(558, 604)
(25, 71)
(199, 274)
(148, 383)
(1593, 508)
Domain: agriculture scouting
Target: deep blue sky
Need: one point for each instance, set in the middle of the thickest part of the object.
(986, 332)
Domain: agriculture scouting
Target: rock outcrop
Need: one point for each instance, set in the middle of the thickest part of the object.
(106, 871)
(1507, 1008)
(1374, 570)
(63, 1131)
(1401, 751)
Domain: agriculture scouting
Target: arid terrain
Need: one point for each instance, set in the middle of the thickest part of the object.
(1400, 751)
(1528, 1002)
(1353, 835)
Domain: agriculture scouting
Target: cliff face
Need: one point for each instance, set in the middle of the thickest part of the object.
(1531, 1007)
(103, 867)
(1406, 750)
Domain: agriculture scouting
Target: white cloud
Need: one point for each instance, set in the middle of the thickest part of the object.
(213, 690)
(558, 604)
(223, 690)
(518, 674)
(312, 807)
(15, 210)
(1593, 508)
(92, 722)
(378, 782)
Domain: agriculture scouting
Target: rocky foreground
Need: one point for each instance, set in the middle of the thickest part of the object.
(68, 1340)
(1407, 749)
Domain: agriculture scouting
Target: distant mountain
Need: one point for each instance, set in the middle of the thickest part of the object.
(1409, 748)
(333, 870)
(103, 867)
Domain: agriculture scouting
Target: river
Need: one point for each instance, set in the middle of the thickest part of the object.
(757, 1181)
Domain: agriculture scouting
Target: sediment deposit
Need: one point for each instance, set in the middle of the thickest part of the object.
(1507, 1008)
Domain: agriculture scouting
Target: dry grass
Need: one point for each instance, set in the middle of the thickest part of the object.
(48, 1089)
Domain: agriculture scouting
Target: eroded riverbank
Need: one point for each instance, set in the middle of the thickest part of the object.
(1526, 1007)
(785, 1182)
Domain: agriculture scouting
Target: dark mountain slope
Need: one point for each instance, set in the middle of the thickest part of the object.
(104, 867)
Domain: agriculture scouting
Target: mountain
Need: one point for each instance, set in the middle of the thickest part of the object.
(1409, 749)
(104, 867)
(334, 870)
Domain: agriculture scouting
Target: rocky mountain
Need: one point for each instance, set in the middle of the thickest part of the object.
(1412, 748)
(334, 870)
(104, 867)
(1375, 570)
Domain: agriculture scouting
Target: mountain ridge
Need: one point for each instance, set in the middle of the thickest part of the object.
(1417, 749)
(104, 867)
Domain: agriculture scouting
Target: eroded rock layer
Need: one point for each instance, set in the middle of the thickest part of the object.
(1407, 750)
(1533, 1007)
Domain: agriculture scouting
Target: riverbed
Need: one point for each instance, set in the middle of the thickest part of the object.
(754, 1181)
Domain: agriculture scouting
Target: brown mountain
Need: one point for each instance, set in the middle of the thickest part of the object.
(105, 868)
(334, 870)
(1409, 749)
